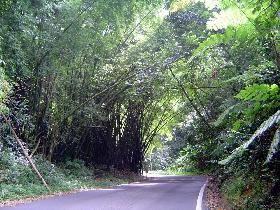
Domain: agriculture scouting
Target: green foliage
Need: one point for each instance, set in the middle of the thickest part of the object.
(265, 127)
(76, 168)
(231, 36)
(259, 93)
(274, 146)
(262, 99)
(4, 90)
(233, 189)
(224, 115)
(245, 193)
(98, 82)
(5, 5)
(233, 75)
(19, 181)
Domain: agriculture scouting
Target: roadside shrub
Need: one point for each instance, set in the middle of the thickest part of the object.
(247, 192)
(18, 180)
(76, 168)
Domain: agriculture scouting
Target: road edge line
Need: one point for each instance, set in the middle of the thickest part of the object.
(200, 197)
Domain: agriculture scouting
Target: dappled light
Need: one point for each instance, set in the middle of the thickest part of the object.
(140, 184)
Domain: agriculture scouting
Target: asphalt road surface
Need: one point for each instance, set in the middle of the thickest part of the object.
(158, 193)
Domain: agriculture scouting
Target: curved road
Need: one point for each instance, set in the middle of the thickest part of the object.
(158, 193)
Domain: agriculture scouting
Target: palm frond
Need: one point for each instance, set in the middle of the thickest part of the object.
(265, 126)
(274, 147)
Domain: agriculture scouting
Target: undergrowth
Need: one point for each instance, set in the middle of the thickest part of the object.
(18, 181)
(248, 192)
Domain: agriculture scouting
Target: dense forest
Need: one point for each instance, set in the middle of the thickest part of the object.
(178, 85)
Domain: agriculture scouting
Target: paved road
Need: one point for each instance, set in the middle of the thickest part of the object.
(159, 193)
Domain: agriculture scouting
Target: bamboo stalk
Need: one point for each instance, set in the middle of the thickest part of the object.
(26, 154)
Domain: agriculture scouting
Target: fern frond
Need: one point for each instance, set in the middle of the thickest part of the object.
(223, 115)
(274, 147)
(265, 126)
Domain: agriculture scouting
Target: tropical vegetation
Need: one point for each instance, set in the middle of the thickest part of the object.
(188, 86)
